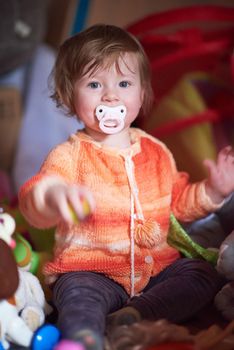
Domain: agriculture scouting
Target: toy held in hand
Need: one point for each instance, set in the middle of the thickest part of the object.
(86, 211)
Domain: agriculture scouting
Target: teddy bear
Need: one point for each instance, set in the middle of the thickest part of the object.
(216, 232)
(12, 326)
(22, 301)
(29, 298)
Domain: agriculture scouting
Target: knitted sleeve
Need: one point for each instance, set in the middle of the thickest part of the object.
(189, 200)
(59, 167)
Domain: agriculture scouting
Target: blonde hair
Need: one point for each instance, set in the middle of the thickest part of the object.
(91, 49)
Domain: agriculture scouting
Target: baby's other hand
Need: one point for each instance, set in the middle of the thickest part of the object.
(220, 182)
(72, 202)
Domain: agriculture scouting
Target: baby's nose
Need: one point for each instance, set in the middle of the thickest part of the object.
(110, 95)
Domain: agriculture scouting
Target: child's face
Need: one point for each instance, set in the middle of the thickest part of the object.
(109, 87)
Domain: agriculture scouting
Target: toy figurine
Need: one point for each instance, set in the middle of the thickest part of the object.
(12, 326)
(17, 289)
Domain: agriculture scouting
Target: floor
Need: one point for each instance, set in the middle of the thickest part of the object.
(203, 320)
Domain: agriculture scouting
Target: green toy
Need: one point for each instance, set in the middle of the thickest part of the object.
(179, 239)
(24, 254)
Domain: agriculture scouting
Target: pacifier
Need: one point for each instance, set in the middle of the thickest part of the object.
(111, 119)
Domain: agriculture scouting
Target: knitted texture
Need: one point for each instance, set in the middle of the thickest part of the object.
(102, 242)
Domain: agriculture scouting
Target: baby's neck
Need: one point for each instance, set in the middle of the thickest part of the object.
(121, 140)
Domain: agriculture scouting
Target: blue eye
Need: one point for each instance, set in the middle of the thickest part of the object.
(94, 85)
(124, 84)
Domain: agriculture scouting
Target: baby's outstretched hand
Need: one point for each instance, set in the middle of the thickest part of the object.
(71, 202)
(220, 182)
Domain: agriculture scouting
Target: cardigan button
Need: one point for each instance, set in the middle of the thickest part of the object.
(148, 259)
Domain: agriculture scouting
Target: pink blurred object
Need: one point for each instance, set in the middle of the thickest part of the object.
(69, 345)
(12, 243)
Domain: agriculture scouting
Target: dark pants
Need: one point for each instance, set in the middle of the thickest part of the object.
(84, 299)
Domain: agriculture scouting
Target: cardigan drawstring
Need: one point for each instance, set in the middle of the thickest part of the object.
(144, 232)
(135, 205)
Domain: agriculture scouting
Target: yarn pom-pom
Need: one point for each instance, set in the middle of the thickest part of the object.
(147, 233)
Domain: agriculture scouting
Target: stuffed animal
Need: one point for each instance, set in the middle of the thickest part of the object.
(12, 326)
(31, 243)
(224, 300)
(30, 297)
(22, 300)
(30, 300)
(217, 231)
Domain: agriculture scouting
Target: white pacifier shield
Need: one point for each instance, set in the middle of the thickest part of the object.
(111, 119)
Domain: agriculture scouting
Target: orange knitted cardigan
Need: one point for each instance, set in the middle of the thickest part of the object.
(135, 190)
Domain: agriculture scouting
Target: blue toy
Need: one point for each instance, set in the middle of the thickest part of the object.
(45, 338)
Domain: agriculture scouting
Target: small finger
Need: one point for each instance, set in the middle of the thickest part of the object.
(88, 200)
(225, 153)
(64, 211)
(77, 209)
(230, 155)
(75, 203)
